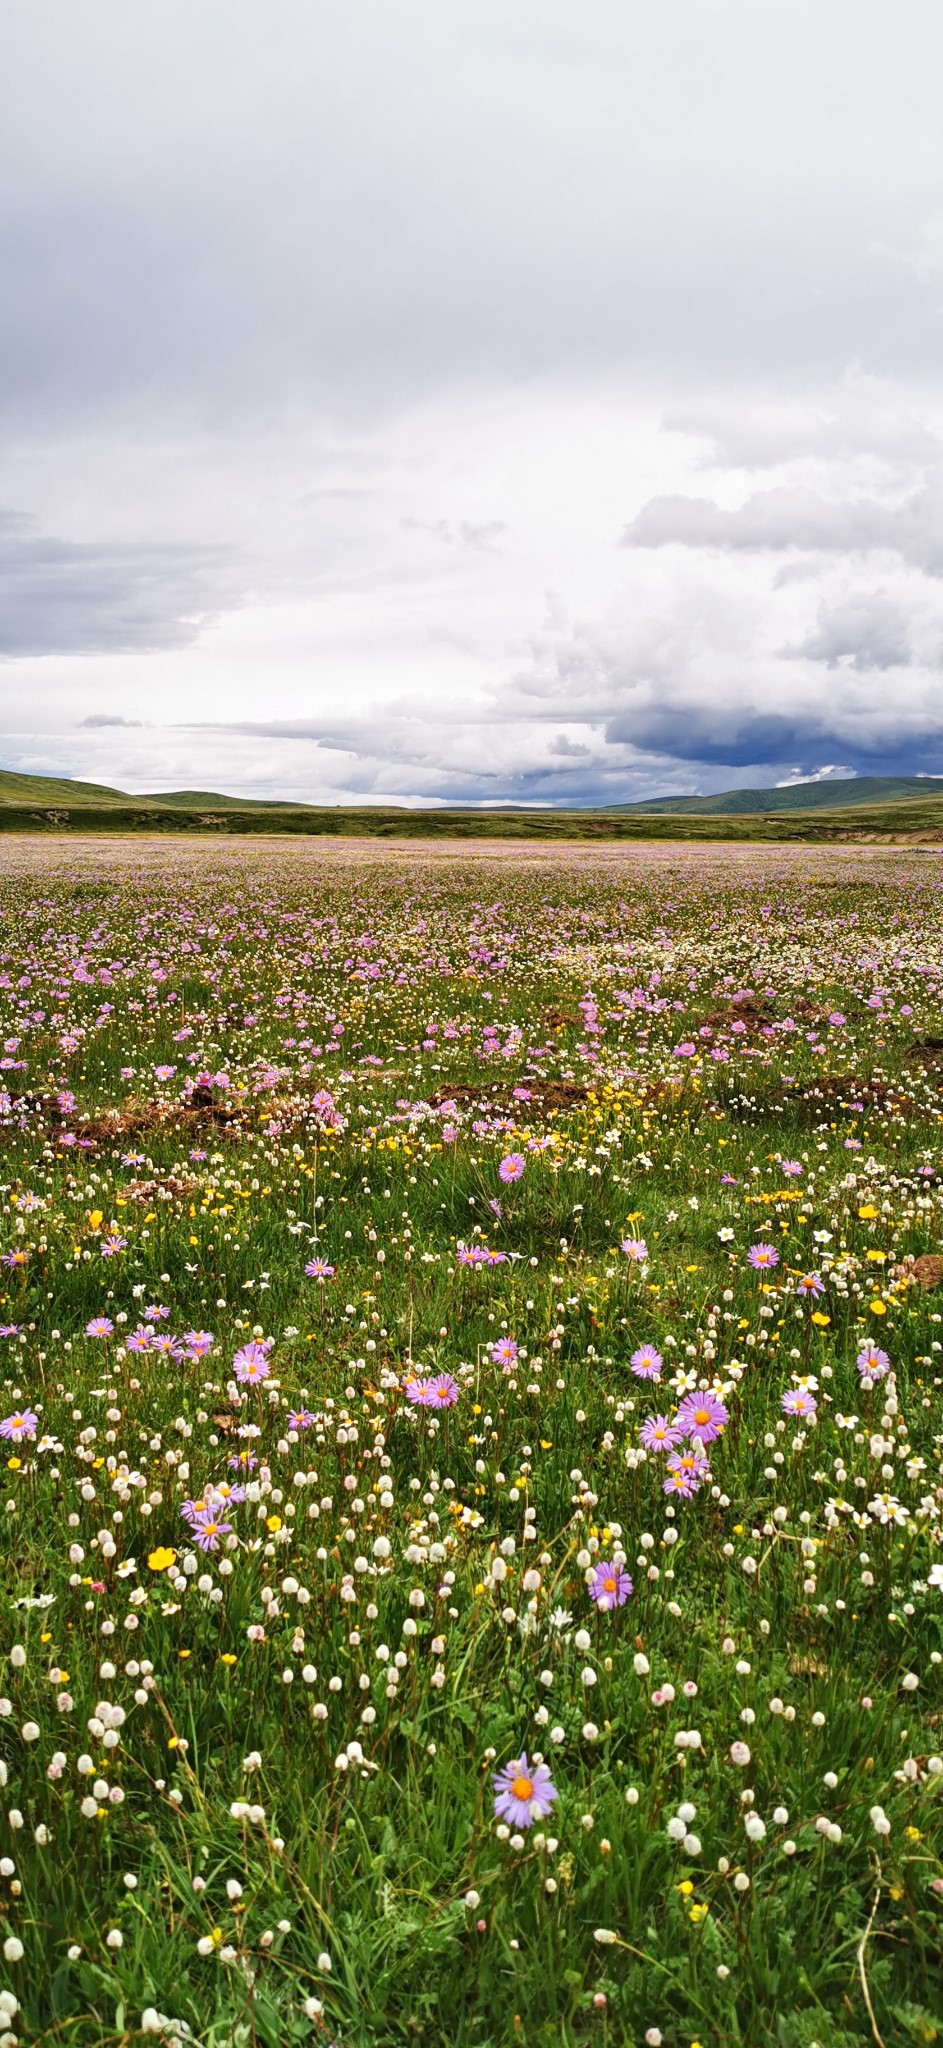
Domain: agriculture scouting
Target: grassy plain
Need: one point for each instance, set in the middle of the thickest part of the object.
(296, 1562)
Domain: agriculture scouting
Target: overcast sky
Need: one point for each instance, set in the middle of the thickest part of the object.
(483, 399)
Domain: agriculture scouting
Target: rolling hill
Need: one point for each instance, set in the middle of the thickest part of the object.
(797, 796)
(871, 810)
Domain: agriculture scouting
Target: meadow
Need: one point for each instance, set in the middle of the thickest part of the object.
(472, 1356)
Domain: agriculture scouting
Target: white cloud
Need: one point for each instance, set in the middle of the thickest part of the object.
(341, 347)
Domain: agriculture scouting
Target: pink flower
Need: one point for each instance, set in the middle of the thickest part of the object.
(511, 1167)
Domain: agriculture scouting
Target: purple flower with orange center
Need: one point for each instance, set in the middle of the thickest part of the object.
(511, 1167)
(797, 1401)
(19, 1426)
(251, 1364)
(762, 1257)
(646, 1362)
(523, 1792)
(702, 1416)
(609, 1586)
(659, 1434)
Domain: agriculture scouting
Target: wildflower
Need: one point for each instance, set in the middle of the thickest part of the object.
(504, 1352)
(318, 1269)
(609, 1586)
(17, 1427)
(300, 1418)
(687, 1471)
(197, 1343)
(100, 1326)
(511, 1167)
(251, 1364)
(810, 1285)
(161, 1559)
(796, 1401)
(646, 1362)
(635, 1249)
(523, 1793)
(762, 1257)
(701, 1416)
(872, 1362)
(657, 1433)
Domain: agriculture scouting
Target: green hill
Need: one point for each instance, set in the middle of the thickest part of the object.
(797, 796)
(871, 810)
(53, 789)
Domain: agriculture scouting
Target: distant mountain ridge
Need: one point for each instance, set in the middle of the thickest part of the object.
(796, 796)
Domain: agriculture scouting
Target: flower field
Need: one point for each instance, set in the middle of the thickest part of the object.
(472, 1345)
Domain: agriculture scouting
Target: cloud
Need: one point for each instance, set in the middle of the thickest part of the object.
(869, 632)
(330, 371)
(70, 597)
(98, 720)
(794, 517)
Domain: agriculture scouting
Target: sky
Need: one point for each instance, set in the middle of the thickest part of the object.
(530, 401)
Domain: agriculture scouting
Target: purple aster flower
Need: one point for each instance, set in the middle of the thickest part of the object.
(811, 1284)
(10, 1329)
(511, 1167)
(523, 1792)
(100, 1326)
(300, 1418)
(687, 1470)
(16, 1427)
(156, 1313)
(658, 1434)
(609, 1586)
(139, 1340)
(791, 1167)
(443, 1391)
(680, 1483)
(702, 1416)
(504, 1352)
(318, 1269)
(208, 1529)
(646, 1362)
(197, 1343)
(14, 1259)
(112, 1245)
(165, 1344)
(872, 1362)
(635, 1248)
(798, 1402)
(251, 1364)
(762, 1257)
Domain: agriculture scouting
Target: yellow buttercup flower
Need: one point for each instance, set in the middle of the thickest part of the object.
(161, 1559)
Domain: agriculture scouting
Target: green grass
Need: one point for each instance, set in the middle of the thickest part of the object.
(792, 1612)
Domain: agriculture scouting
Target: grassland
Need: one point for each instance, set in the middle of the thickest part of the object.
(470, 1318)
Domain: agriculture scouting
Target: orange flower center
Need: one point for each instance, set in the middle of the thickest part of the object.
(523, 1788)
